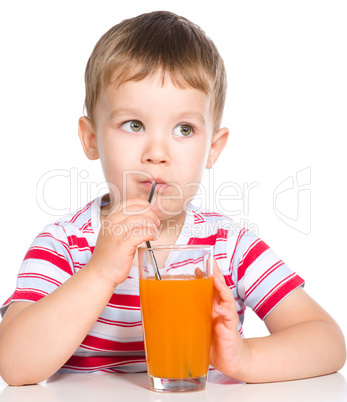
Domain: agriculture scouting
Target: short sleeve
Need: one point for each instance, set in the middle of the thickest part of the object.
(47, 264)
(263, 278)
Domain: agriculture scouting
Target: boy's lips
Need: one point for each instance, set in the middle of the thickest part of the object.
(161, 184)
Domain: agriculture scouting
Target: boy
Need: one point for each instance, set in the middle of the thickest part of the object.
(155, 90)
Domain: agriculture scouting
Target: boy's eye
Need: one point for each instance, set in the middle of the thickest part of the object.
(132, 126)
(183, 130)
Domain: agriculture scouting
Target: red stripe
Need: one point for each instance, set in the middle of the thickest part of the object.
(241, 312)
(129, 302)
(40, 276)
(263, 277)
(270, 300)
(198, 218)
(229, 281)
(78, 265)
(87, 226)
(47, 234)
(220, 256)
(120, 323)
(79, 242)
(94, 343)
(212, 214)
(25, 294)
(40, 253)
(210, 240)
(100, 362)
(254, 251)
(186, 262)
(273, 290)
(66, 246)
(239, 237)
(74, 218)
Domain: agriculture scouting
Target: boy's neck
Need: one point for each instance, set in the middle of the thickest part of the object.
(170, 229)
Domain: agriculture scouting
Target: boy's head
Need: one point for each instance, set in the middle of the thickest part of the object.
(157, 42)
(155, 91)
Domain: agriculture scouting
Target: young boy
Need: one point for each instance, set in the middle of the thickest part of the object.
(155, 90)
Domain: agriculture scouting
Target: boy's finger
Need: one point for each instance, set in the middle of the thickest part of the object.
(132, 208)
(217, 272)
(198, 272)
(130, 205)
(224, 292)
(228, 314)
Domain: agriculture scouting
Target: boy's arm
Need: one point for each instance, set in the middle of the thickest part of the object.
(304, 342)
(37, 339)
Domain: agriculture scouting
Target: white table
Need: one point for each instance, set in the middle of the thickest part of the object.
(134, 388)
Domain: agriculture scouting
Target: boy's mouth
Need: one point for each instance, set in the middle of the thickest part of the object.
(161, 184)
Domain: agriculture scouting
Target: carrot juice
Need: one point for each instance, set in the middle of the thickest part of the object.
(176, 316)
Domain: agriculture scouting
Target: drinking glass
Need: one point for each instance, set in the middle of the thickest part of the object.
(176, 291)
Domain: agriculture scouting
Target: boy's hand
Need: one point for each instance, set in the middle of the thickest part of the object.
(229, 352)
(122, 231)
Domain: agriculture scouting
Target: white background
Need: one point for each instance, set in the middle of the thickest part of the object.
(286, 109)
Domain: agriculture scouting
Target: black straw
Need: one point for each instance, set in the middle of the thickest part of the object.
(148, 244)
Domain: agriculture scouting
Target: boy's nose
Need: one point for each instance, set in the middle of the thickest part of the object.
(156, 152)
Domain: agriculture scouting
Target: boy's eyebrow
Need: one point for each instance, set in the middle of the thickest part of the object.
(123, 110)
(192, 115)
(133, 112)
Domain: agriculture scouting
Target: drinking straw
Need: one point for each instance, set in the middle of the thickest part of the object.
(148, 244)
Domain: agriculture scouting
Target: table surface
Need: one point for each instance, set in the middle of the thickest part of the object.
(101, 387)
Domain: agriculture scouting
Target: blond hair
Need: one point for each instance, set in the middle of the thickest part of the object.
(159, 41)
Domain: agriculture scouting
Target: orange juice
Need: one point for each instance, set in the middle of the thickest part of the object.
(176, 316)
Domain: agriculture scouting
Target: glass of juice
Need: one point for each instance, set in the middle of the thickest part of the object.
(176, 307)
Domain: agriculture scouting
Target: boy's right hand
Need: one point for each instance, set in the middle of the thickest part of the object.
(129, 224)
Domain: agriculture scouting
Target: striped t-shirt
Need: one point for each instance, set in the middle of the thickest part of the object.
(256, 276)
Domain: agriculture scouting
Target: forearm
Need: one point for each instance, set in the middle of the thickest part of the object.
(303, 350)
(304, 342)
(38, 340)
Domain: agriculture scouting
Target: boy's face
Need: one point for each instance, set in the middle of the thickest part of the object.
(145, 131)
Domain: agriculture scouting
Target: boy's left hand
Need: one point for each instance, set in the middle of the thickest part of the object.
(229, 352)
(288, 353)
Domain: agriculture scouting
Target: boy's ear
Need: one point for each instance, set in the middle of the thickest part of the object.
(218, 142)
(86, 133)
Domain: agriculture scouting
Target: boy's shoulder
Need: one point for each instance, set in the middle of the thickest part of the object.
(83, 222)
(82, 219)
(205, 222)
(203, 216)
